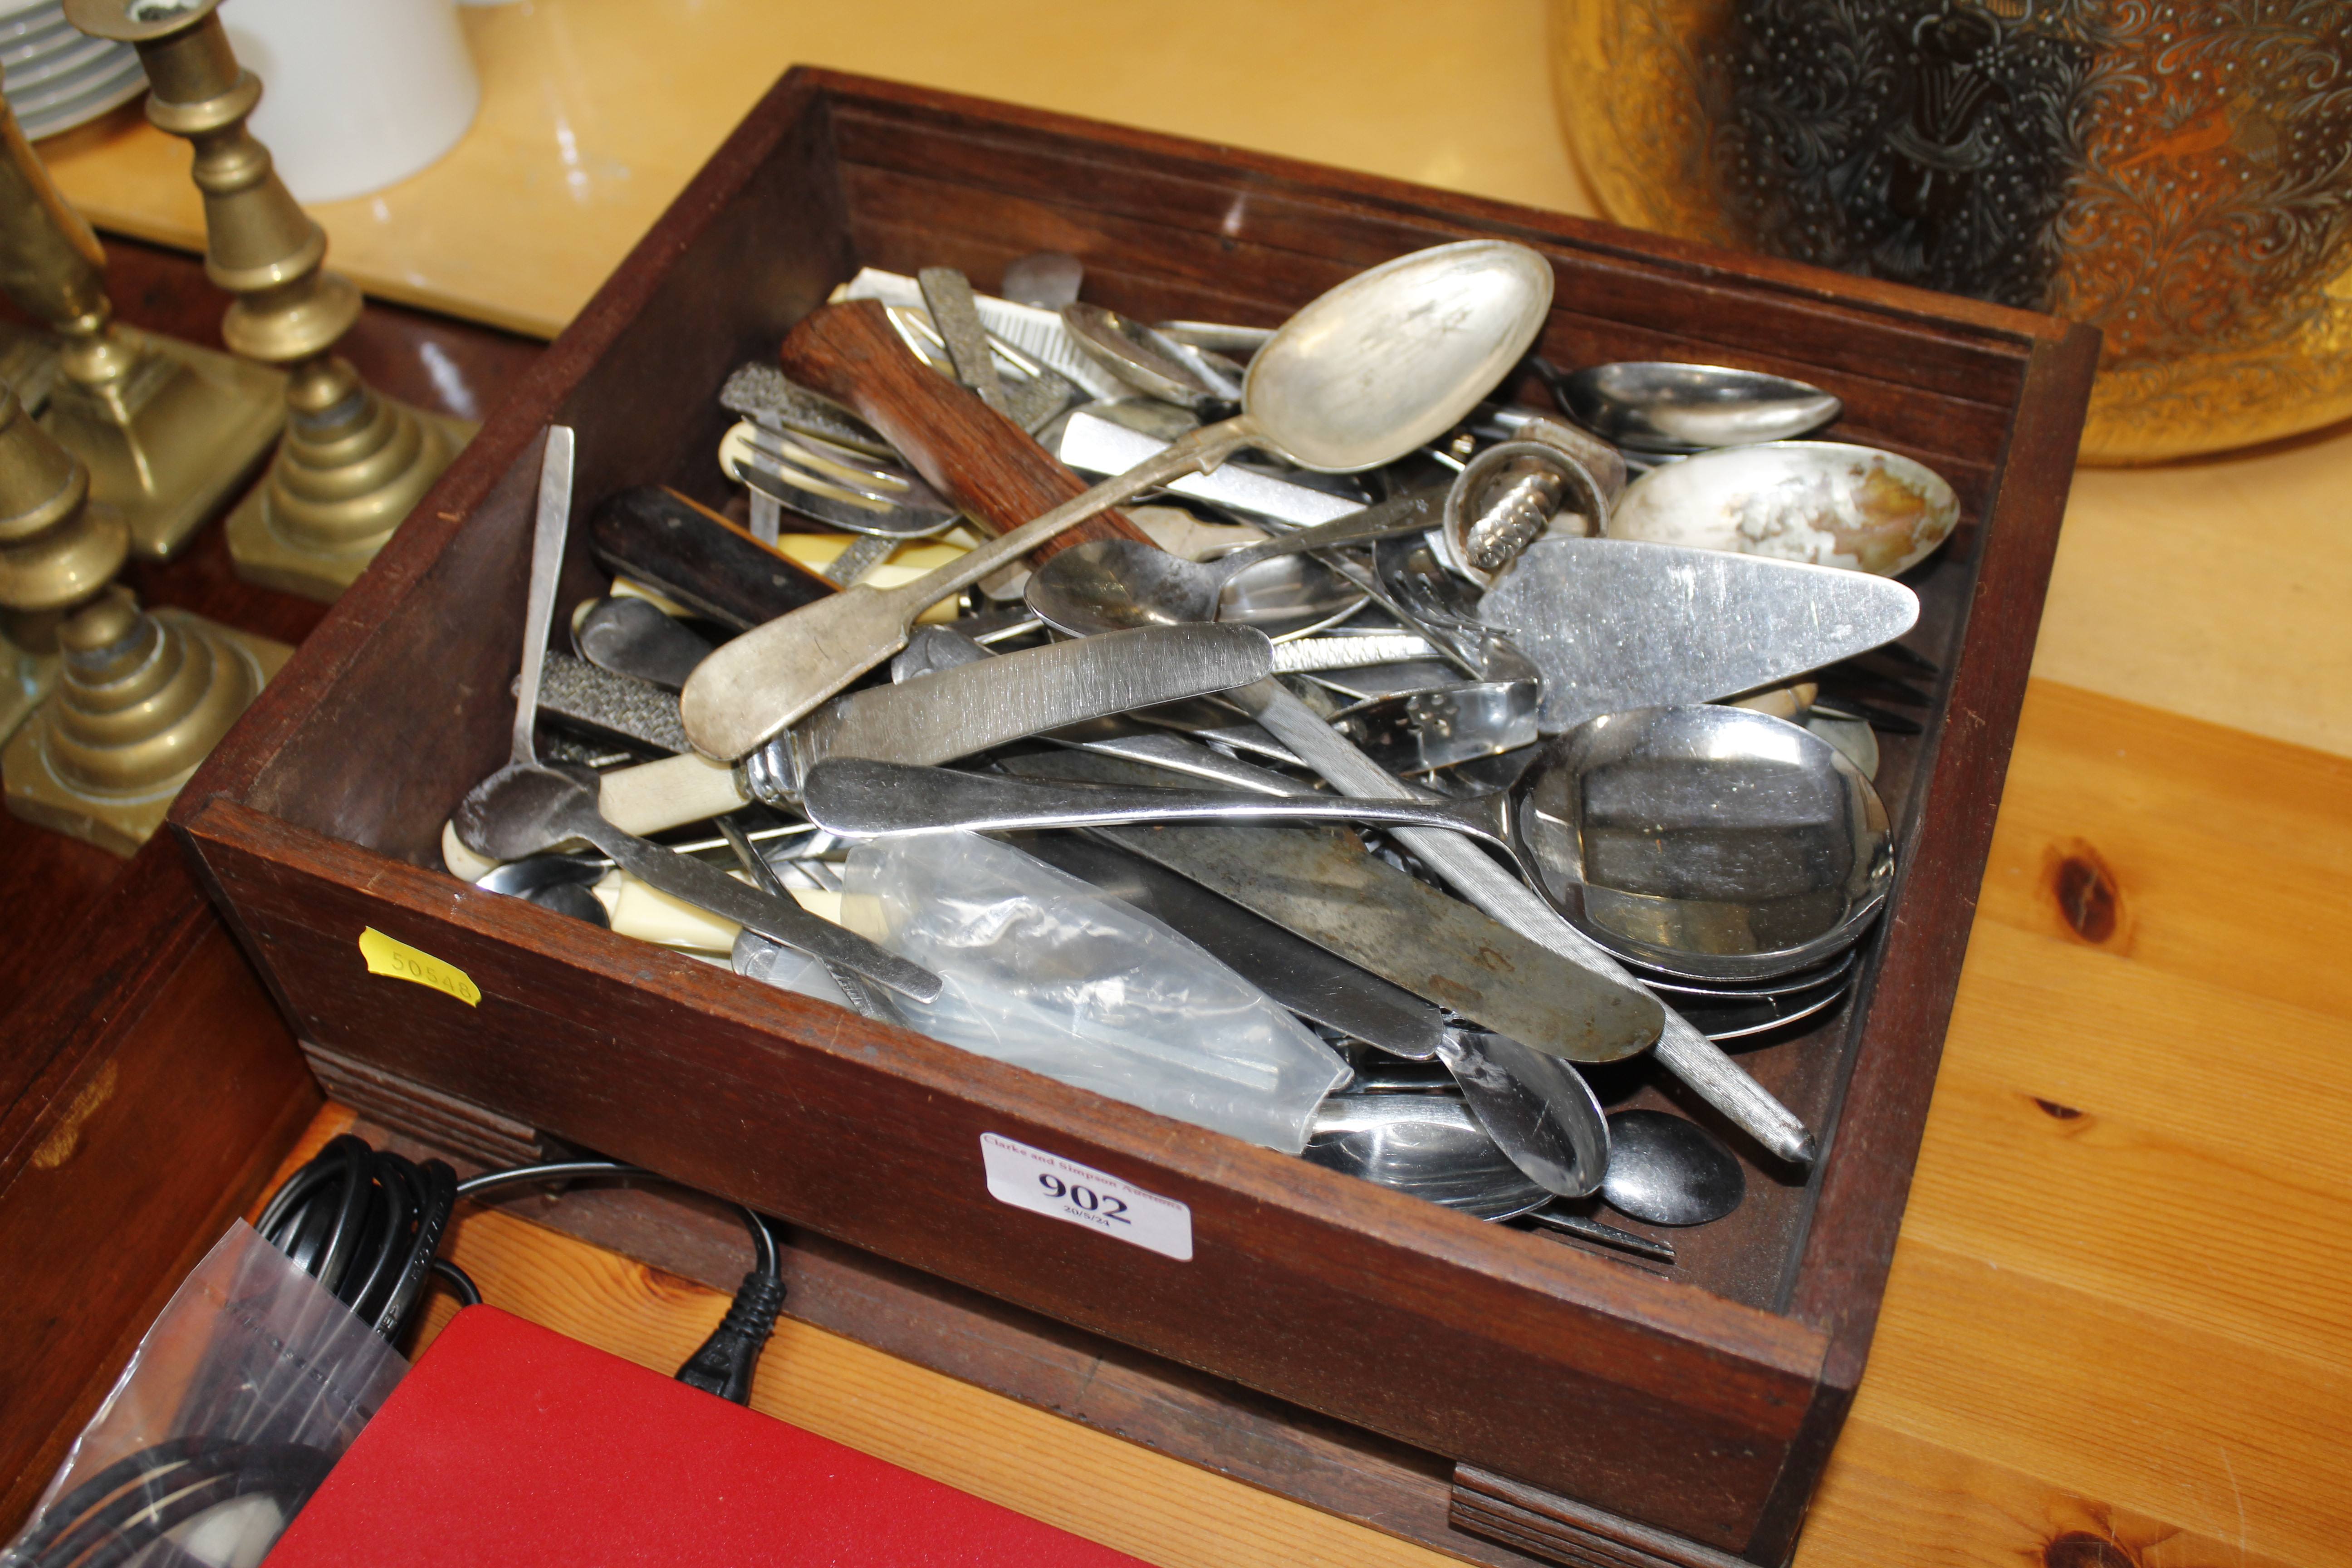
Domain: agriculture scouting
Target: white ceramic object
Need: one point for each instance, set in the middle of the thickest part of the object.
(356, 94)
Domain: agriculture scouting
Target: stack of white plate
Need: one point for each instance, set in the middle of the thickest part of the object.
(54, 78)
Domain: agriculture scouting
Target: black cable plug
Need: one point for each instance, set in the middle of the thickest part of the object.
(730, 1355)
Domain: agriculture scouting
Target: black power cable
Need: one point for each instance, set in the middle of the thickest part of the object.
(366, 1224)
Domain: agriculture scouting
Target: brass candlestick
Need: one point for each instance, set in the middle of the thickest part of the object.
(139, 699)
(54, 555)
(353, 462)
(165, 428)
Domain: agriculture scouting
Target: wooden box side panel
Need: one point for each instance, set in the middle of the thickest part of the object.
(1483, 1344)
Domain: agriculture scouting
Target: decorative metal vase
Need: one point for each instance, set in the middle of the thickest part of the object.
(2178, 175)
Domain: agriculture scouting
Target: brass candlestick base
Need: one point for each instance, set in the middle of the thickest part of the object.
(25, 678)
(166, 443)
(340, 485)
(140, 702)
(28, 363)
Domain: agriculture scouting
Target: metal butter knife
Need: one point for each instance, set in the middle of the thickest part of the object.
(949, 713)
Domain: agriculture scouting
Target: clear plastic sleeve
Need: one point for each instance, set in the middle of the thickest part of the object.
(1046, 972)
(240, 1397)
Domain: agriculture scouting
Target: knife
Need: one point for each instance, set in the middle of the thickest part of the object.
(690, 553)
(949, 713)
(1294, 973)
(1617, 622)
(1093, 445)
(1322, 885)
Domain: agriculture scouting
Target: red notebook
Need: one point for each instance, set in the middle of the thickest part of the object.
(514, 1445)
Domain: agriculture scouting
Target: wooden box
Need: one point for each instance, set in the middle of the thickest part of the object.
(1585, 1408)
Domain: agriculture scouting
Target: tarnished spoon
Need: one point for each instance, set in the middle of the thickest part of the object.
(1823, 502)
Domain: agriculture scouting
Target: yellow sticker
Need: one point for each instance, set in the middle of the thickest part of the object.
(386, 956)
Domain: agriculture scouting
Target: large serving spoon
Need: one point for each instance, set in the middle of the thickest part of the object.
(1111, 584)
(1374, 368)
(1701, 839)
(1660, 406)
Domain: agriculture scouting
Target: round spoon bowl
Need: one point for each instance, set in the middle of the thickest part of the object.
(1113, 584)
(1663, 1170)
(1824, 503)
(1396, 355)
(1655, 405)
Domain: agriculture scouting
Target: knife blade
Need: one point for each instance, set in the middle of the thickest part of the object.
(949, 713)
(1294, 973)
(1322, 885)
(1616, 624)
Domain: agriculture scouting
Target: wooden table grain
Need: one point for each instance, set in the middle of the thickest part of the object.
(2119, 1327)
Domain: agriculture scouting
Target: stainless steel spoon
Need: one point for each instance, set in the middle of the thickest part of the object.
(1663, 1170)
(1660, 406)
(1425, 1144)
(1699, 840)
(1111, 584)
(1370, 369)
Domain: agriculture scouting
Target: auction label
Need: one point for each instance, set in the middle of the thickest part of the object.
(1032, 1179)
(387, 955)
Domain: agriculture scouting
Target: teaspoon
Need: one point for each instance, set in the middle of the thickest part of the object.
(1660, 406)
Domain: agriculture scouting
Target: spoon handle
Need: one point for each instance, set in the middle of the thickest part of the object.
(555, 519)
(867, 799)
(779, 920)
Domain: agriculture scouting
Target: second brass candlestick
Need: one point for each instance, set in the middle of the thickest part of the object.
(166, 429)
(353, 462)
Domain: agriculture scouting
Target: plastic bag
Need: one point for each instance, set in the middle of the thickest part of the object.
(240, 1397)
(1047, 973)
